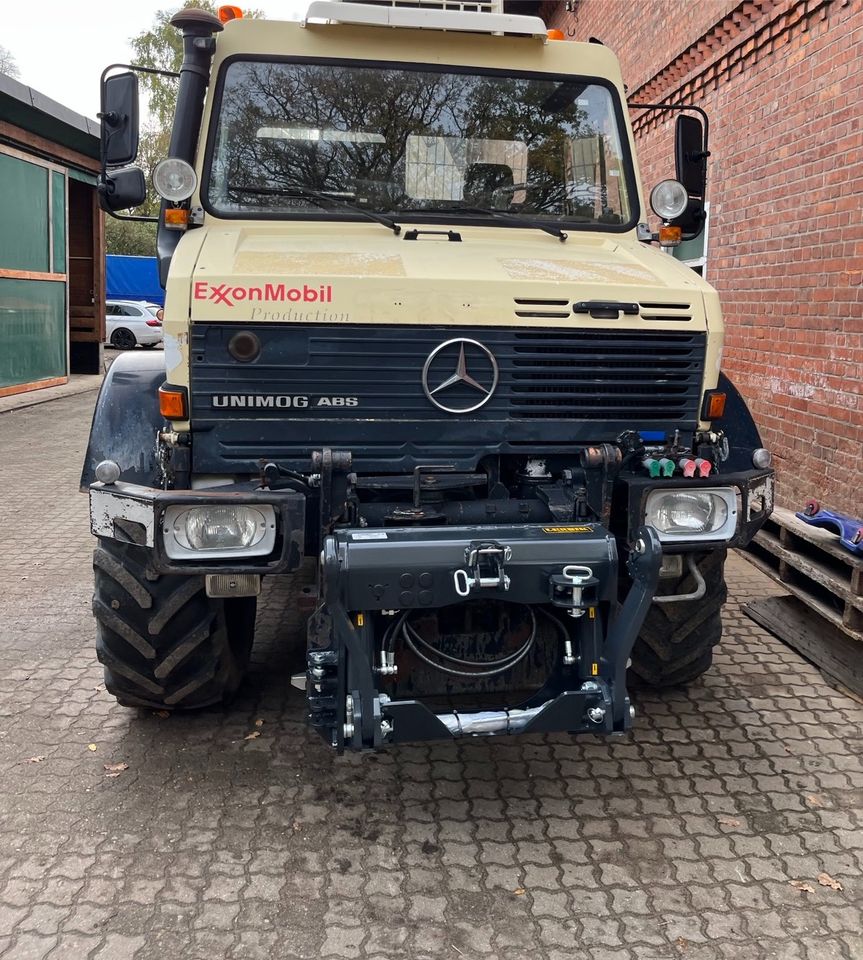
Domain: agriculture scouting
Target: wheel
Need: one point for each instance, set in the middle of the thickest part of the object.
(162, 641)
(812, 507)
(123, 339)
(677, 639)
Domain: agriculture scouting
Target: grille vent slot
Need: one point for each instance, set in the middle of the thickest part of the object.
(676, 312)
(558, 308)
(547, 309)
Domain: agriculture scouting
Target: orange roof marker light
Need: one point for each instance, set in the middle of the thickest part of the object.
(556, 35)
(229, 12)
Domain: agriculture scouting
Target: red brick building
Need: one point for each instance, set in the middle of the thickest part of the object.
(782, 82)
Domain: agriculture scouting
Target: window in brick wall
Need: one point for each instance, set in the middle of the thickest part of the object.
(694, 252)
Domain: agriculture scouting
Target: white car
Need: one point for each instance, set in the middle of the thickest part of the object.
(131, 323)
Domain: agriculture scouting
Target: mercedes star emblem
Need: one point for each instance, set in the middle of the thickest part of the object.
(460, 353)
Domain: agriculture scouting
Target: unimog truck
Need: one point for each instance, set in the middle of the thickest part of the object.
(420, 339)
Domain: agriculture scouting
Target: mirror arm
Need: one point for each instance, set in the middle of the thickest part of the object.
(136, 68)
(678, 106)
(134, 219)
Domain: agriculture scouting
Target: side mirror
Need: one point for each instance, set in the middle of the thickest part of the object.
(121, 189)
(119, 117)
(690, 154)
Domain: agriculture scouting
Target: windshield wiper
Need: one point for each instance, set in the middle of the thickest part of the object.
(321, 199)
(498, 215)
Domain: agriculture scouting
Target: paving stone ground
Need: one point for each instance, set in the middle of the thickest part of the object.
(679, 840)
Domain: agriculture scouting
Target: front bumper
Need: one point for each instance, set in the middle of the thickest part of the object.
(134, 513)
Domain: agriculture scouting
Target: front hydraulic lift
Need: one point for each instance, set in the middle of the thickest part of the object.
(573, 568)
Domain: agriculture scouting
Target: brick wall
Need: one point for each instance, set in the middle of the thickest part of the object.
(643, 33)
(781, 81)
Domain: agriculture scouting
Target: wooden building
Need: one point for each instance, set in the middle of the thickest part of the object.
(52, 276)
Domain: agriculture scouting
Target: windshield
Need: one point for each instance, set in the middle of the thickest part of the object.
(392, 140)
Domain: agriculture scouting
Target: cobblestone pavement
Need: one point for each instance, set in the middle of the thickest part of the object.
(700, 835)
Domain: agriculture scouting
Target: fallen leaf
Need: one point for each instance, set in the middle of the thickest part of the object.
(827, 881)
(519, 891)
(681, 943)
(815, 801)
(802, 886)
(296, 826)
(34, 759)
(115, 769)
(92, 746)
(259, 723)
(729, 821)
(162, 714)
(253, 735)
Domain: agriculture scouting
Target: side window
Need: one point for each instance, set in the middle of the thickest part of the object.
(111, 309)
(132, 311)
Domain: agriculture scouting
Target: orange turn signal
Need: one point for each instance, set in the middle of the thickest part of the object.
(177, 218)
(172, 402)
(670, 236)
(556, 35)
(229, 12)
(713, 406)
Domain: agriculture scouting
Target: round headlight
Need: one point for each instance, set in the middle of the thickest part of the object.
(669, 199)
(174, 179)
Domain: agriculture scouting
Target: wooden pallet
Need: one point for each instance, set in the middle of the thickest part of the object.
(838, 656)
(823, 619)
(812, 566)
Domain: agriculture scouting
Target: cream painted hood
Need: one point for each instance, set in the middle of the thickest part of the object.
(363, 273)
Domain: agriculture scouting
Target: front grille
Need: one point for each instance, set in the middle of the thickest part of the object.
(556, 388)
(603, 375)
(567, 374)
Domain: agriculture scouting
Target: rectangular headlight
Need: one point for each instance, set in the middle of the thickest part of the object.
(692, 514)
(219, 530)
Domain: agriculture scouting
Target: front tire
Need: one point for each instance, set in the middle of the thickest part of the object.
(675, 645)
(163, 642)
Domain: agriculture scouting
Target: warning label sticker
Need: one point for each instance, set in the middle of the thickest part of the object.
(567, 529)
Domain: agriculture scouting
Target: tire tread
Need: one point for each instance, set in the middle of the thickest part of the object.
(676, 641)
(162, 641)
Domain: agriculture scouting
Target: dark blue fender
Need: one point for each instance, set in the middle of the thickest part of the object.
(127, 418)
(738, 426)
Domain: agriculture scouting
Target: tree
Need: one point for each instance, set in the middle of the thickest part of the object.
(8, 65)
(129, 237)
(161, 48)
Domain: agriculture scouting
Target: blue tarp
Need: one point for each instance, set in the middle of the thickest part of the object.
(133, 278)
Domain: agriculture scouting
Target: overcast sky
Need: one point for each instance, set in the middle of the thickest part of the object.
(62, 47)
